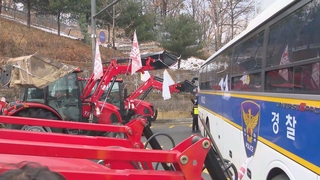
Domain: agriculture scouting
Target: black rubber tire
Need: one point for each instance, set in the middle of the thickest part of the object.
(282, 176)
(204, 131)
(36, 113)
(106, 134)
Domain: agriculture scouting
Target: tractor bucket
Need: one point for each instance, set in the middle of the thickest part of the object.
(163, 60)
(32, 71)
(187, 86)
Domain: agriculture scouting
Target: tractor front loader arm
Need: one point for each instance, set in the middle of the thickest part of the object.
(74, 156)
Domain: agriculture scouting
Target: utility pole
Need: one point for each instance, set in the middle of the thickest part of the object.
(93, 25)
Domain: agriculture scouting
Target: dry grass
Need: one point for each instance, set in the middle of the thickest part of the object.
(173, 115)
(18, 40)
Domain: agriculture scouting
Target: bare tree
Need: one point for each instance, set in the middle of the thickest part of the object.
(167, 7)
(199, 11)
(239, 12)
(218, 15)
(229, 18)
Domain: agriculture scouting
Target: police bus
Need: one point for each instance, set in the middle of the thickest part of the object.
(259, 95)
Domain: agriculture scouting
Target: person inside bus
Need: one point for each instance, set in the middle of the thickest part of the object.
(194, 113)
(31, 171)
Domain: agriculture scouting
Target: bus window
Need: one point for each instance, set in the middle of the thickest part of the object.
(304, 78)
(248, 55)
(298, 33)
(251, 82)
(203, 76)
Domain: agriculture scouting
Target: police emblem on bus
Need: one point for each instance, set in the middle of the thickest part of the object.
(250, 120)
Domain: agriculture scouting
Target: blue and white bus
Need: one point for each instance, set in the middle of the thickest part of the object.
(259, 95)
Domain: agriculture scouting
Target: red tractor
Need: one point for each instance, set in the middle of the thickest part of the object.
(51, 90)
(134, 105)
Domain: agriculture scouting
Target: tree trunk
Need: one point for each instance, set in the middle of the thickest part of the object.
(59, 15)
(109, 33)
(113, 28)
(232, 20)
(164, 8)
(0, 6)
(29, 13)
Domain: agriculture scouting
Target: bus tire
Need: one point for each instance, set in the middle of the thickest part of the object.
(208, 125)
(282, 176)
(36, 113)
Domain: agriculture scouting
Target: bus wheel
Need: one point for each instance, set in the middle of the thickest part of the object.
(36, 113)
(281, 177)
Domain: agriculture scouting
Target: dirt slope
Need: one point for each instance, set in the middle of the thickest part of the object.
(17, 40)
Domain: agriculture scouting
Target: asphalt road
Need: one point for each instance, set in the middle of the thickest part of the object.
(178, 131)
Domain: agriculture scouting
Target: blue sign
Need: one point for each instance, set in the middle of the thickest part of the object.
(102, 37)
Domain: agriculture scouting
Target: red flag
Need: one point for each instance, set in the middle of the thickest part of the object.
(98, 71)
(316, 73)
(284, 60)
(243, 169)
(135, 55)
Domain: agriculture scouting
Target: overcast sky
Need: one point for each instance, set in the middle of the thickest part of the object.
(265, 3)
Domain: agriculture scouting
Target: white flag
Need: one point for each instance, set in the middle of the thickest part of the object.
(245, 79)
(145, 76)
(221, 84)
(135, 55)
(284, 60)
(226, 87)
(167, 82)
(98, 70)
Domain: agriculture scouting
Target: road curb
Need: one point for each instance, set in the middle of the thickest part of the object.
(183, 120)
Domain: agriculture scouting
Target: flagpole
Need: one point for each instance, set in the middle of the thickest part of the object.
(93, 31)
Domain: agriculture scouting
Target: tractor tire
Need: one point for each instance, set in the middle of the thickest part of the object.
(36, 113)
(282, 176)
(107, 134)
(114, 134)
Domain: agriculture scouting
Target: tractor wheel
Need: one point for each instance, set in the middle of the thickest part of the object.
(114, 134)
(107, 134)
(36, 113)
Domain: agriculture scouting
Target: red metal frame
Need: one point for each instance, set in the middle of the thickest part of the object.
(133, 130)
(69, 154)
(131, 102)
